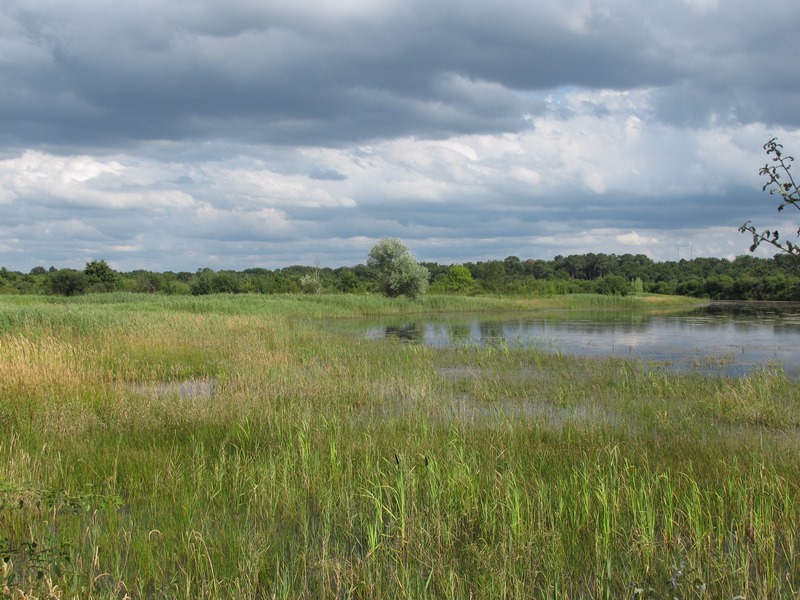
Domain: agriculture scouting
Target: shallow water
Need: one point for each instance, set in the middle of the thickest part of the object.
(722, 338)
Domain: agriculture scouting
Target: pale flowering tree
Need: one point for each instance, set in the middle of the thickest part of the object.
(397, 272)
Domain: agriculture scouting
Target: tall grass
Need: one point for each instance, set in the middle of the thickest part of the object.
(319, 465)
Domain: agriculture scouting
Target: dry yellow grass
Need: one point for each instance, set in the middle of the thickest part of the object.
(45, 365)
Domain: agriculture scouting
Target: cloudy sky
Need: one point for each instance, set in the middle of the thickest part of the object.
(181, 134)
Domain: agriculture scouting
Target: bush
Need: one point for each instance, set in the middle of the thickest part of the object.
(613, 285)
(220, 282)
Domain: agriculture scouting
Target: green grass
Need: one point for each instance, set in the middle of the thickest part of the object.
(329, 466)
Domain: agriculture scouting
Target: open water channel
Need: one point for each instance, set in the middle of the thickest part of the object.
(721, 338)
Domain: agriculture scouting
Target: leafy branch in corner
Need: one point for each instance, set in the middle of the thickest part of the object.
(780, 181)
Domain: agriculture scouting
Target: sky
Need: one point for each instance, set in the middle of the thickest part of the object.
(185, 134)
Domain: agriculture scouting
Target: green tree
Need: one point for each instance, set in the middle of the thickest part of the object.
(458, 279)
(718, 287)
(397, 272)
(101, 277)
(68, 282)
(513, 267)
(147, 281)
(779, 170)
(346, 280)
(538, 268)
(203, 284)
(492, 275)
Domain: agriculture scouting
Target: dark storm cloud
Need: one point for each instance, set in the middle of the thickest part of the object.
(92, 74)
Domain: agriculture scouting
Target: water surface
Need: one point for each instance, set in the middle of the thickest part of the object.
(724, 338)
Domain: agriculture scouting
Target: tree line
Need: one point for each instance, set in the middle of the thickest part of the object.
(744, 278)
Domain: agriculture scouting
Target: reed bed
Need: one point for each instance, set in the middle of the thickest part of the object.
(157, 447)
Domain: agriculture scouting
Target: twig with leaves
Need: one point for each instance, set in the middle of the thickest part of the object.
(787, 189)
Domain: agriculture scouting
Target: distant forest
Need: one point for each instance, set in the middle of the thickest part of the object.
(745, 278)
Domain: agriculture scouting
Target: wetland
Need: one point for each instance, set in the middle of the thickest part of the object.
(282, 446)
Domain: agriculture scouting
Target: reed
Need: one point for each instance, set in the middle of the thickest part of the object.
(299, 462)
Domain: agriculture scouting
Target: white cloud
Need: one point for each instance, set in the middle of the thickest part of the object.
(634, 239)
(526, 176)
(32, 168)
(702, 6)
(79, 181)
(6, 196)
(262, 187)
(210, 222)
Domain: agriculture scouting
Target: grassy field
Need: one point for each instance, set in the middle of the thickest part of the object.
(238, 447)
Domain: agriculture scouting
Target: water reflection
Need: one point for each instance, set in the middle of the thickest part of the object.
(408, 332)
(724, 338)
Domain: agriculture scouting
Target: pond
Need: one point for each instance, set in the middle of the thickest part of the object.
(721, 338)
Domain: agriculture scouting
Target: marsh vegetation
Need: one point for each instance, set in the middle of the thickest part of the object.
(232, 446)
